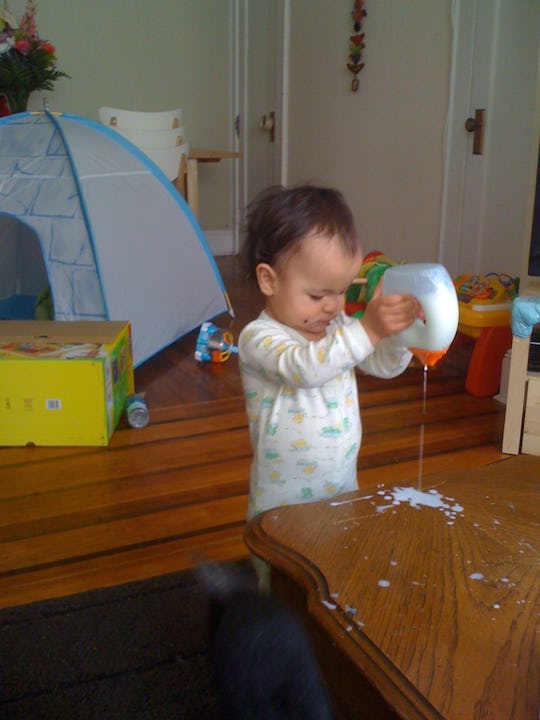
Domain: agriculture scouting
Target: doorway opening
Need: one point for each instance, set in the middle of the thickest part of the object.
(260, 99)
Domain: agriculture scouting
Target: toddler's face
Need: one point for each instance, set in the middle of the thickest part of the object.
(308, 290)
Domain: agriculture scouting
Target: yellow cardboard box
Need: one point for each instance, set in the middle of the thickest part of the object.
(63, 383)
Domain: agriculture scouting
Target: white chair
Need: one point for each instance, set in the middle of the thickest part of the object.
(159, 120)
(153, 138)
(160, 135)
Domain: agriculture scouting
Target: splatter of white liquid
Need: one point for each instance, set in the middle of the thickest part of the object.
(329, 605)
(476, 576)
(417, 498)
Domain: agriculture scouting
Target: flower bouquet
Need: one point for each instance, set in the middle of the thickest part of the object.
(27, 62)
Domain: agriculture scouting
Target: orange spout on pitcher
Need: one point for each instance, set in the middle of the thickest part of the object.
(428, 358)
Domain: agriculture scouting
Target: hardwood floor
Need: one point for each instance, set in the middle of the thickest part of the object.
(158, 499)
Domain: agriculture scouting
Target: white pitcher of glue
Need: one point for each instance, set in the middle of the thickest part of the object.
(431, 284)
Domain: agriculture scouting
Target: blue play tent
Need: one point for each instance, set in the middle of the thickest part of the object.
(85, 213)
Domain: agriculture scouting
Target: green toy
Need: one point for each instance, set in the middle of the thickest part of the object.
(44, 309)
(360, 293)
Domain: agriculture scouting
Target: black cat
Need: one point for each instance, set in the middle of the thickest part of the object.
(264, 666)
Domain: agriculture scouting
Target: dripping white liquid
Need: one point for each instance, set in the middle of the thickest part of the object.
(421, 442)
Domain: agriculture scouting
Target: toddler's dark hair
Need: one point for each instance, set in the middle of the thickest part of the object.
(280, 218)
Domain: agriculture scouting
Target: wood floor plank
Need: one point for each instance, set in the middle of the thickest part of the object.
(126, 462)
(387, 392)
(152, 489)
(405, 443)
(173, 424)
(413, 471)
(209, 408)
(122, 567)
(76, 506)
(105, 537)
(410, 413)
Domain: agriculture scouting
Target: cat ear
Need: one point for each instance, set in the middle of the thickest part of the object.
(215, 580)
(221, 581)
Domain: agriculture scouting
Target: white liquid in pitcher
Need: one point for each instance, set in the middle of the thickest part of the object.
(439, 328)
(433, 287)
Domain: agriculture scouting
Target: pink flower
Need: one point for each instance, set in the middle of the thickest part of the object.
(28, 27)
(22, 46)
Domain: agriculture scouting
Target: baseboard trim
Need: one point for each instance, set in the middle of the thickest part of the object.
(221, 242)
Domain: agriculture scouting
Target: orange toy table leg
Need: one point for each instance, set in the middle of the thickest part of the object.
(484, 374)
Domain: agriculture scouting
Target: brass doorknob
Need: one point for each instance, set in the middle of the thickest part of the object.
(268, 123)
(476, 125)
(471, 125)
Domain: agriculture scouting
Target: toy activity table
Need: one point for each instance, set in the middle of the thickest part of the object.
(485, 306)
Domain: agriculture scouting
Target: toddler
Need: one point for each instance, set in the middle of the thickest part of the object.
(298, 358)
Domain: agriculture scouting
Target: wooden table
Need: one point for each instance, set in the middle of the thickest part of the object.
(188, 176)
(419, 612)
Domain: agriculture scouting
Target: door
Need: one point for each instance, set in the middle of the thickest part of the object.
(261, 31)
(484, 214)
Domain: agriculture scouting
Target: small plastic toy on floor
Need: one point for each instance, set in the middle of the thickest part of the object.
(214, 344)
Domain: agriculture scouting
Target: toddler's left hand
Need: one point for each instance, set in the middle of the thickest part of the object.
(389, 314)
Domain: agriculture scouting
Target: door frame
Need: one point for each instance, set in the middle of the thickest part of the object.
(239, 101)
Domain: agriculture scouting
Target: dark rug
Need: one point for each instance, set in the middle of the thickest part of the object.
(130, 652)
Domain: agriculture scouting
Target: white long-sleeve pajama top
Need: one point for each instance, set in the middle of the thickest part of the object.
(302, 407)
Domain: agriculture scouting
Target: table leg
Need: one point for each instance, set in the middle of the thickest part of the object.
(180, 182)
(515, 396)
(193, 186)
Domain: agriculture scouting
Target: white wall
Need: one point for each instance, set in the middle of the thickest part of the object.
(381, 146)
(145, 55)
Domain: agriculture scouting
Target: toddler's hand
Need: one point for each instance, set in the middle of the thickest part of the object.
(389, 314)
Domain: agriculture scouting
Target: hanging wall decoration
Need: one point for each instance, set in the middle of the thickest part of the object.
(356, 44)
